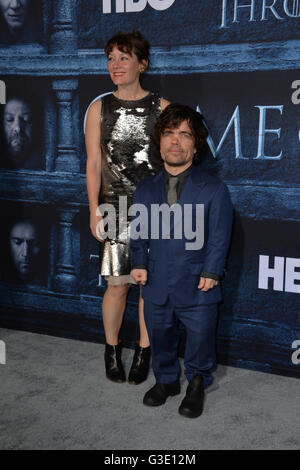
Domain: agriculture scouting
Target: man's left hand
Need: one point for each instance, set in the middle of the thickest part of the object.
(206, 284)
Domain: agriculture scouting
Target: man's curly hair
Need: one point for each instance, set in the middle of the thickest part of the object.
(171, 118)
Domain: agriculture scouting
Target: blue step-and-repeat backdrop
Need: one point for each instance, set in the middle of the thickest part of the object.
(236, 61)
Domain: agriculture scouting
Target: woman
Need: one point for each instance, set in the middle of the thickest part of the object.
(118, 132)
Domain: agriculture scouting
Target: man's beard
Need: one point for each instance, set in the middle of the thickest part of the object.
(19, 146)
(16, 26)
(178, 163)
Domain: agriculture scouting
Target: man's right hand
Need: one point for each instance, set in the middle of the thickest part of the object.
(139, 275)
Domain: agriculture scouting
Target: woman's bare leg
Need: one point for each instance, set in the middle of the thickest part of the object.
(113, 308)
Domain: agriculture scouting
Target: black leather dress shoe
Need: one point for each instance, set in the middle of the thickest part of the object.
(158, 394)
(140, 365)
(113, 365)
(192, 404)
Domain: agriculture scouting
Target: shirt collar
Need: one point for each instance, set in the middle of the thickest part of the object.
(180, 176)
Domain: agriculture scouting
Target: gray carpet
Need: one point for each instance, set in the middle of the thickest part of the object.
(54, 395)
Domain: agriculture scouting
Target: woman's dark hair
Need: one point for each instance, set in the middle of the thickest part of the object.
(130, 43)
(171, 118)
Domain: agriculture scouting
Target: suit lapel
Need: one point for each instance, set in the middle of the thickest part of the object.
(159, 193)
(190, 192)
(193, 186)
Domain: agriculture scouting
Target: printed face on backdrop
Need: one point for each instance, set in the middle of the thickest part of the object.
(15, 13)
(124, 69)
(177, 146)
(18, 128)
(24, 248)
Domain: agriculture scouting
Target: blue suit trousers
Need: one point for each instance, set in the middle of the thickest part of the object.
(162, 322)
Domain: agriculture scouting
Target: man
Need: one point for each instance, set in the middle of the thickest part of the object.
(180, 278)
(24, 248)
(17, 127)
(16, 23)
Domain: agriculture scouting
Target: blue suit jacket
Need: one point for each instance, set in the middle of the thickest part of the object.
(174, 270)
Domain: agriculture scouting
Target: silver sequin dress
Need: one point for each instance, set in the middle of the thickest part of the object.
(127, 127)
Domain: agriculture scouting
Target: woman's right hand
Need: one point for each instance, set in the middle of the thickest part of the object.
(96, 225)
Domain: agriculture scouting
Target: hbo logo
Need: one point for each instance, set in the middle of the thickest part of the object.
(130, 6)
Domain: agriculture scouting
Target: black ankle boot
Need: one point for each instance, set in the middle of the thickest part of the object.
(113, 364)
(140, 365)
(192, 404)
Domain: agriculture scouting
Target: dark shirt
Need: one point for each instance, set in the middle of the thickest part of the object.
(182, 177)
